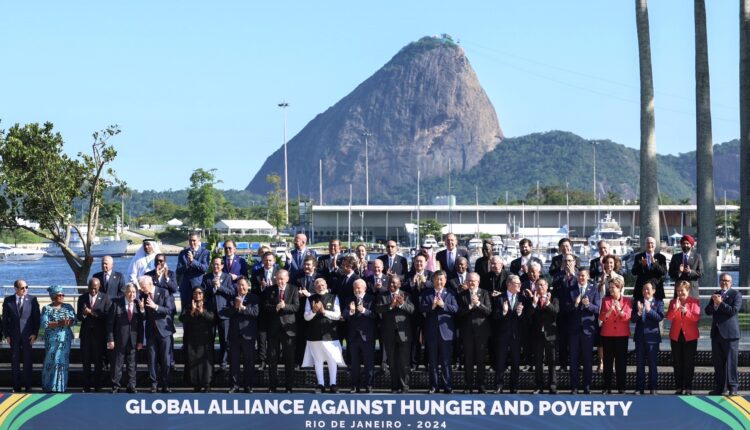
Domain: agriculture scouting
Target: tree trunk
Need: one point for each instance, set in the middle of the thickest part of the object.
(649, 203)
(744, 142)
(704, 151)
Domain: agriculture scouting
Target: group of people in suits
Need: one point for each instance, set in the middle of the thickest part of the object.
(304, 312)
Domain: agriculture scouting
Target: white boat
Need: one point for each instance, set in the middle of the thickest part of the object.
(101, 247)
(11, 253)
(609, 230)
(474, 246)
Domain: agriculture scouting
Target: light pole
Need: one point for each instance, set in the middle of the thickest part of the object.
(367, 134)
(283, 106)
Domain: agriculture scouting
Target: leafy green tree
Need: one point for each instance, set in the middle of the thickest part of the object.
(275, 202)
(431, 226)
(202, 198)
(43, 184)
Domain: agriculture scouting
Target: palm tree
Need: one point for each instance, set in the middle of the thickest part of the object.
(744, 141)
(649, 205)
(704, 150)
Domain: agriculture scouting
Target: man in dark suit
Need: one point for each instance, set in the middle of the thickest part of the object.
(295, 260)
(647, 315)
(496, 279)
(447, 257)
(219, 292)
(192, 264)
(359, 312)
(280, 303)
(687, 265)
(395, 309)
(328, 265)
(393, 264)
(162, 276)
(595, 265)
(111, 282)
(263, 277)
(557, 264)
(243, 329)
(21, 320)
(475, 309)
(482, 265)
(306, 287)
(724, 307)
(344, 285)
(511, 310)
(124, 336)
(580, 322)
(377, 283)
(649, 266)
(157, 306)
(565, 288)
(91, 311)
(457, 283)
(543, 332)
(520, 266)
(439, 306)
(234, 266)
(417, 280)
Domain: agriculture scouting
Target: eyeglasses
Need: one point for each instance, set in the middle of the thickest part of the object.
(160, 261)
(22, 288)
(228, 248)
(61, 295)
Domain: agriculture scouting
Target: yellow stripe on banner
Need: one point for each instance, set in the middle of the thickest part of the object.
(7, 406)
(741, 405)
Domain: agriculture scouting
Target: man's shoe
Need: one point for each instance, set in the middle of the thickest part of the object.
(448, 391)
(574, 391)
(132, 390)
(688, 392)
(334, 389)
(652, 392)
(319, 389)
(233, 390)
(620, 391)
(271, 389)
(537, 391)
(431, 391)
(248, 390)
(395, 391)
(715, 393)
(553, 389)
(606, 392)
(638, 392)
(514, 391)
(262, 366)
(368, 389)
(499, 389)
(482, 390)
(586, 391)
(115, 390)
(678, 392)
(289, 390)
(166, 390)
(468, 391)
(153, 389)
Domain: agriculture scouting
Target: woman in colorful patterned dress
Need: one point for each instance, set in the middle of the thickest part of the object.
(56, 320)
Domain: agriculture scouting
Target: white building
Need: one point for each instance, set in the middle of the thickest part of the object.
(245, 227)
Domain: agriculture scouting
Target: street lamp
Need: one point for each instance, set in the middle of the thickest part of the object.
(283, 106)
(367, 134)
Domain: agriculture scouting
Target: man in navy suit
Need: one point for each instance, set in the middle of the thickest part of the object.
(296, 259)
(724, 307)
(439, 306)
(648, 313)
(359, 312)
(416, 282)
(520, 266)
(377, 282)
(124, 336)
(111, 282)
(192, 264)
(343, 287)
(447, 257)
(395, 309)
(580, 322)
(243, 329)
(543, 332)
(21, 327)
(92, 313)
(511, 310)
(234, 266)
(157, 306)
(280, 303)
(328, 265)
(557, 264)
(393, 264)
(649, 266)
(219, 292)
(475, 309)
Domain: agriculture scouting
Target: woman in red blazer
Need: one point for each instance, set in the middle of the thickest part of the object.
(614, 334)
(684, 312)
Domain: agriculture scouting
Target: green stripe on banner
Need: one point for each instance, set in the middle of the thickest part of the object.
(31, 407)
(709, 409)
(732, 408)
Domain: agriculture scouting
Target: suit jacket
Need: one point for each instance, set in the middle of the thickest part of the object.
(596, 270)
(695, 263)
(442, 258)
(614, 324)
(159, 322)
(93, 326)
(168, 282)
(326, 269)
(372, 284)
(236, 266)
(395, 321)
(294, 265)
(494, 281)
(400, 266)
(121, 331)
(454, 283)
(543, 320)
(244, 324)
(114, 287)
(344, 286)
(580, 319)
(475, 322)
(482, 266)
(686, 323)
(190, 275)
(724, 322)
(556, 265)
(654, 274)
(259, 276)
(17, 326)
(439, 323)
(361, 324)
(647, 325)
(306, 283)
(415, 291)
(284, 320)
(510, 325)
(515, 266)
(219, 299)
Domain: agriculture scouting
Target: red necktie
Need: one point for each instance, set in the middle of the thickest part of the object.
(130, 312)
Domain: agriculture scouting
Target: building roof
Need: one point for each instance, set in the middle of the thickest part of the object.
(244, 224)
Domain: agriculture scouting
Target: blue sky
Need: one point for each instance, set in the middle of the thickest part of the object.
(196, 84)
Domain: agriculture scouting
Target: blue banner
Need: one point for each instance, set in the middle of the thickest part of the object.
(413, 412)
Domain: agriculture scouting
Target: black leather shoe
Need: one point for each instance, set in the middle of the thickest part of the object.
(733, 393)
(688, 392)
(482, 390)
(394, 391)
(233, 390)
(553, 389)
(272, 389)
(652, 392)
(537, 391)
(448, 391)
(319, 389)
(166, 390)
(638, 392)
(262, 366)
(132, 390)
(606, 392)
(431, 391)
(15, 390)
(248, 390)
(153, 389)
(586, 391)
(468, 391)
(334, 389)
(514, 391)
(499, 389)
(715, 393)
(678, 392)
(368, 389)
(289, 390)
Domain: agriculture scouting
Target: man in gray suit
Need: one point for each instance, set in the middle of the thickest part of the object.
(724, 307)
